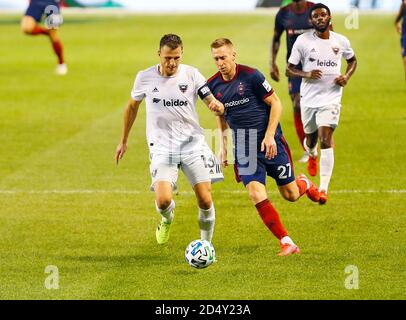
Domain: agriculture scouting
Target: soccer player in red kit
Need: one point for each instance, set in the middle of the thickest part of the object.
(30, 26)
(252, 110)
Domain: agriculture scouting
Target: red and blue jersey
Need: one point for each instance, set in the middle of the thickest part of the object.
(293, 22)
(243, 98)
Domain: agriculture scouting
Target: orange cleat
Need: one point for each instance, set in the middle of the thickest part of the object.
(323, 197)
(312, 166)
(312, 192)
(287, 249)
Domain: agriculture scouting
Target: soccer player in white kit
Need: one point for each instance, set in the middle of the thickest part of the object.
(175, 138)
(320, 52)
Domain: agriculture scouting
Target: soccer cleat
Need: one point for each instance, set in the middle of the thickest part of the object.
(323, 197)
(312, 191)
(162, 232)
(304, 158)
(61, 69)
(287, 249)
(312, 166)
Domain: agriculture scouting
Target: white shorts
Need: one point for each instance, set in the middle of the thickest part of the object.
(198, 167)
(314, 118)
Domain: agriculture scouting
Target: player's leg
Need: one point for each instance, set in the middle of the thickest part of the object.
(302, 185)
(294, 92)
(281, 169)
(327, 120)
(165, 206)
(195, 169)
(403, 44)
(326, 160)
(57, 46)
(164, 177)
(269, 216)
(310, 141)
(404, 63)
(29, 23)
(207, 212)
(254, 182)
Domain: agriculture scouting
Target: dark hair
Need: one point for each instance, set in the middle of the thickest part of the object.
(319, 6)
(171, 40)
(218, 43)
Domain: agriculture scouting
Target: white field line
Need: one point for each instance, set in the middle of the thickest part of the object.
(135, 192)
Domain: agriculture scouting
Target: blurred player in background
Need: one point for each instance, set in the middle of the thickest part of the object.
(401, 28)
(253, 111)
(30, 24)
(319, 53)
(294, 19)
(285, 2)
(175, 138)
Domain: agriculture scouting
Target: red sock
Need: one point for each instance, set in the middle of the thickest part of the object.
(271, 218)
(302, 185)
(58, 48)
(39, 30)
(299, 127)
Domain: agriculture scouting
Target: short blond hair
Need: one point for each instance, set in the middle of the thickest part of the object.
(218, 43)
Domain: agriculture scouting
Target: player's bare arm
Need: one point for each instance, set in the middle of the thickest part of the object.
(342, 80)
(276, 42)
(222, 125)
(130, 114)
(268, 144)
(291, 71)
(214, 105)
(399, 18)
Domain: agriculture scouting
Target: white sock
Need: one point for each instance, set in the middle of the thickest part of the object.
(326, 167)
(311, 151)
(288, 240)
(206, 223)
(167, 214)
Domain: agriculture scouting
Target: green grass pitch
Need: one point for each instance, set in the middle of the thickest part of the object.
(64, 202)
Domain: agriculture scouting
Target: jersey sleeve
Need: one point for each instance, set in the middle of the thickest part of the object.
(296, 54)
(138, 90)
(348, 52)
(260, 86)
(201, 87)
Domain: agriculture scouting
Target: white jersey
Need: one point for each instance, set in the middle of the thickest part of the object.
(315, 53)
(172, 122)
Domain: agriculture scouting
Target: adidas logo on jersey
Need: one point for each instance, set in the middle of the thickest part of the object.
(155, 90)
(326, 63)
(175, 103)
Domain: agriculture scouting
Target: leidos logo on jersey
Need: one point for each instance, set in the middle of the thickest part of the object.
(171, 103)
(326, 63)
(175, 103)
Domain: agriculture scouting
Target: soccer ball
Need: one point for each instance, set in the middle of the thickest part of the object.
(200, 254)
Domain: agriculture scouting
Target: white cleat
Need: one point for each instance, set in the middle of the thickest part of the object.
(61, 69)
(304, 158)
